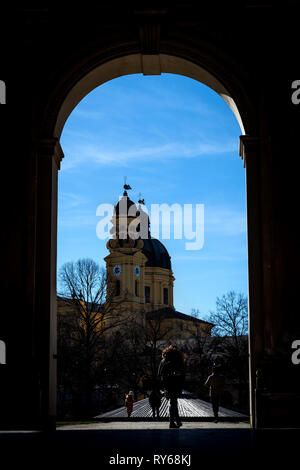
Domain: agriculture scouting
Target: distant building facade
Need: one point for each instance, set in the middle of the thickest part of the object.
(140, 276)
(139, 272)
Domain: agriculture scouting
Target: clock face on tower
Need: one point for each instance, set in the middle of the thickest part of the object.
(117, 270)
(137, 271)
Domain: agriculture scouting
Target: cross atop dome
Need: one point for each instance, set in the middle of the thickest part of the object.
(126, 186)
(141, 201)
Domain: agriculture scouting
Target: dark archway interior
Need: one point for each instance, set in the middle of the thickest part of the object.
(46, 75)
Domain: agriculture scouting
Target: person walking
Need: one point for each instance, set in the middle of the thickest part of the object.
(155, 401)
(129, 403)
(215, 382)
(171, 374)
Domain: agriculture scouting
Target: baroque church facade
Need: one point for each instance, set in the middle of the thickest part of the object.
(139, 273)
(140, 280)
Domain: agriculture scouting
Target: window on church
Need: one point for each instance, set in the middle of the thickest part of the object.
(147, 294)
(118, 287)
(137, 288)
(166, 295)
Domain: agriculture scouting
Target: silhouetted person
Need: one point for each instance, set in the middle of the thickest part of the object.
(215, 382)
(129, 403)
(171, 373)
(155, 401)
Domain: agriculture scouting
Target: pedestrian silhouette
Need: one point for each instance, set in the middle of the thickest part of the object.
(129, 403)
(215, 382)
(171, 374)
(155, 401)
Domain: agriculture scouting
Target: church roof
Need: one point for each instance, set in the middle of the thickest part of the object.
(71, 302)
(156, 253)
(171, 313)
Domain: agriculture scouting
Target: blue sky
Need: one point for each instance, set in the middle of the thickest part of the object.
(176, 140)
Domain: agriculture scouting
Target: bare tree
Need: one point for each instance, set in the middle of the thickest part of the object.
(230, 331)
(199, 351)
(132, 346)
(231, 315)
(91, 312)
(156, 334)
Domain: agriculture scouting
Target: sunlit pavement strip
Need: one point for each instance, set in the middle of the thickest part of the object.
(188, 408)
(127, 425)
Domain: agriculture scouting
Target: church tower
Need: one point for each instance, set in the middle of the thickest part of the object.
(138, 266)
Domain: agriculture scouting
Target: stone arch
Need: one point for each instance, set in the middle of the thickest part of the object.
(67, 93)
(134, 64)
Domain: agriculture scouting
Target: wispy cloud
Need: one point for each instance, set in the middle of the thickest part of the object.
(203, 257)
(77, 219)
(219, 221)
(173, 150)
(76, 134)
(88, 113)
(224, 221)
(164, 97)
(73, 211)
(70, 200)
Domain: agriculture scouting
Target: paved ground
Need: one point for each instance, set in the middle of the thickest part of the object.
(155, 425)
(188, 407)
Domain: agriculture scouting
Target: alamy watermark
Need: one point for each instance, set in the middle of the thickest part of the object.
(296, 353)
(296, 94)
(2, 352)
(178, 221)
(2, 92)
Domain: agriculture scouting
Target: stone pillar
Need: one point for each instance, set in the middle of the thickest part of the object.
(48, 164)
(250, 153)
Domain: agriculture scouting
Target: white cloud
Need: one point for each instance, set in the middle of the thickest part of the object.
(70, 200)
(77, 219)
(87, 114)
(202, 257)
(71, 213)
(225, 221)
(92, 153)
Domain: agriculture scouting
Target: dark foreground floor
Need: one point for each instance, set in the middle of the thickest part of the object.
(110, 448)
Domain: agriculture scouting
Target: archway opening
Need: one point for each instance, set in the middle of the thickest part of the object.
(189, 69)
(147, 65)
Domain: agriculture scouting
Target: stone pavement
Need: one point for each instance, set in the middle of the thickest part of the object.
(188, 407)
(154, 425)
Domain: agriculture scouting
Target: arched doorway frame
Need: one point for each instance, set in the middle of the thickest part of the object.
(68, 92)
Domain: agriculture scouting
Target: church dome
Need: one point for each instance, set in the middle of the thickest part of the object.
(124, 204)
(156, 253)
